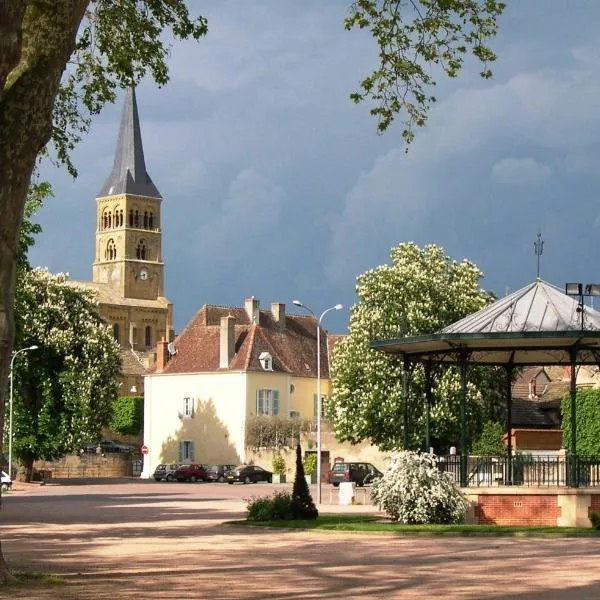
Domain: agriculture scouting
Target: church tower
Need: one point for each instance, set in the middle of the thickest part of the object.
(128, 268)
(128, 232)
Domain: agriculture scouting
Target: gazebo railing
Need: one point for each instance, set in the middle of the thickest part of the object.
(524, 470)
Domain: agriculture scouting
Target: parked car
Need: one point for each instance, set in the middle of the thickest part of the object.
(193, 472)
(359, 473)
(5, 482)
(217, 472)
(164, 472)
(248, 474)
(106, 446)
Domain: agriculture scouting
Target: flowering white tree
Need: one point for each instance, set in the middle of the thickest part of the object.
(414, 491)
(63, 391)
(421, 291)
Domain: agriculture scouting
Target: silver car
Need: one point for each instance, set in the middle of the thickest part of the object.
(165, 472)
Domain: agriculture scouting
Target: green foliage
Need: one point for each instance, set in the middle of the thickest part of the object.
(303, 506)
(127, 414)
(63, 391)
(415, 39)
(490, 441)
(278, 464)
(310, 463)
(414, 491)
(263, 431)
(270, 508)
(117, 45)
(595, 519)
(588, 423)
(420, 292)
(38, 192)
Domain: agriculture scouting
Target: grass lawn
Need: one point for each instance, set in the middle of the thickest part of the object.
(374, 524)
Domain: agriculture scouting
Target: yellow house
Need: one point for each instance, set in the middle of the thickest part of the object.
(229, 364)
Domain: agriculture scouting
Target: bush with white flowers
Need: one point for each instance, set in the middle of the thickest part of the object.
(414, 491)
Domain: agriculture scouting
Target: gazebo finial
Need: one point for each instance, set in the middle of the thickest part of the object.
(538, 246)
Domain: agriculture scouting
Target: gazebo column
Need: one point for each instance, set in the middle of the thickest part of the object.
(509, 373)
(574, 480)
(428, 399)
(405, 374)
(463, 419)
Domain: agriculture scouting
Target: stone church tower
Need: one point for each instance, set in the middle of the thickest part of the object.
(128, 269)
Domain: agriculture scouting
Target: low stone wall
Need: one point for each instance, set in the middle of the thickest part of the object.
(85, 465)
(553, 507)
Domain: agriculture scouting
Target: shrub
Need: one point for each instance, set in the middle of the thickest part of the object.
(127, 415)
(310, 463)
(278, 464)
(414, 491)
(270, 508)
(490, 441)
(303, 506)
(595, 519)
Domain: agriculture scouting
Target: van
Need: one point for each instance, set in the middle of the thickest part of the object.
(358, 472)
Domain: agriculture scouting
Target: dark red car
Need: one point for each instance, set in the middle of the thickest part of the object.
(191, 473)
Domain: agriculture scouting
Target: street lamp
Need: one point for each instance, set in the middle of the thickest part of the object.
(10, 405)
(578, 289)
(319, 320)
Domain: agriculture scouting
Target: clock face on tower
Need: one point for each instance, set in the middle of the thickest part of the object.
(143, 274)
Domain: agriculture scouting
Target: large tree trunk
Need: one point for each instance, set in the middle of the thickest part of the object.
(37, 37)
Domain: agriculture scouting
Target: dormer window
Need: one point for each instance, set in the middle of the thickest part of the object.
(266, 361)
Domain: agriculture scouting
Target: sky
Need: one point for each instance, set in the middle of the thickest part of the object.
(276, 185)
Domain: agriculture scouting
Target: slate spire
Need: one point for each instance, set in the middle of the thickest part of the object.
(129, 175)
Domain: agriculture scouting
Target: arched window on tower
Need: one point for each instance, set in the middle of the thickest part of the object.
(136, 219)
(148, 336)
(131, 218)
(141, 251)
(151, 221)
(109, 220)
(111, 250)
(105, 219)
(118, 218)
(145, 220)
(116, 333)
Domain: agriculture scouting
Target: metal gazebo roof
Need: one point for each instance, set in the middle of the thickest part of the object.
(536, 325)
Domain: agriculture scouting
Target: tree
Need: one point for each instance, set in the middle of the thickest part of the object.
(490, 441)
(416, 39)
(421, 291)
(110, 44)
(64, 390)
(127, 415)
(303, 506)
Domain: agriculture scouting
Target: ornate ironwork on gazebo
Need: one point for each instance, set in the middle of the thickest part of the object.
(536, 325)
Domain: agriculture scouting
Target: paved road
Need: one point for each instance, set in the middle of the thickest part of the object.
(145, 540)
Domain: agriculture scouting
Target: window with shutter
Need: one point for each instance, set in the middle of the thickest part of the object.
(275, 409)
(267, 402)
(186, 451)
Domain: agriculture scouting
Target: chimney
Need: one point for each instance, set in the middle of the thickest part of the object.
(278, 312)
(226, 341)
(162, 355)
(251, 306)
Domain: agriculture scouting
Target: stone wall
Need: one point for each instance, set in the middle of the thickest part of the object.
(85, 465)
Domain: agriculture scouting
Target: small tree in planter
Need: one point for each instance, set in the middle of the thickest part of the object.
(303, 506)
(278, 469)
(414, 491)
(310, 467)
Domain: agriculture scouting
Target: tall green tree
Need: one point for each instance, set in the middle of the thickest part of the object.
(421, 291)
(64, 390)
(588, 423)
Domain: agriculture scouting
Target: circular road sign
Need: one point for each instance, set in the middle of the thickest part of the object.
(145, 449)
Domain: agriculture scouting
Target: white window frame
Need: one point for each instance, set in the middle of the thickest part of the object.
(267, 402)
(266, 361)
(187, 408)
(324, 398)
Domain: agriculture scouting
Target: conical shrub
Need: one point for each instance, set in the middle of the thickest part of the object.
(303, 506)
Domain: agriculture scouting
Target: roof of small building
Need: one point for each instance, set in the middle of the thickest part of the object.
(529, 413)
(292, 348)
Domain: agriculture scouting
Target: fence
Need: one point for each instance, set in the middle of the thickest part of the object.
(526, 470)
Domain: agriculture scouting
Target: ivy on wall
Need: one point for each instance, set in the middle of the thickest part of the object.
(588, 422)
(127, 414)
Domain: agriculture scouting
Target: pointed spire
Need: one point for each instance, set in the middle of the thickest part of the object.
(129, 175)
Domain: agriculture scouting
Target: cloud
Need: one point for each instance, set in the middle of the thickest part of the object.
(520, 171)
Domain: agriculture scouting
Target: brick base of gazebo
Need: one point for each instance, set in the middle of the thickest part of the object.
(550, 507)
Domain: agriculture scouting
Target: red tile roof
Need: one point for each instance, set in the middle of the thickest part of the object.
(293, 348)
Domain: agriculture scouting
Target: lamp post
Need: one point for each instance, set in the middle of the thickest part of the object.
(10, 405)
(319, 320)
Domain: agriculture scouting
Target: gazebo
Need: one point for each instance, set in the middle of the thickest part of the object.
(536, 325)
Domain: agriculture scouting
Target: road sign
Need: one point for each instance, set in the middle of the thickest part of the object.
(145, 449)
